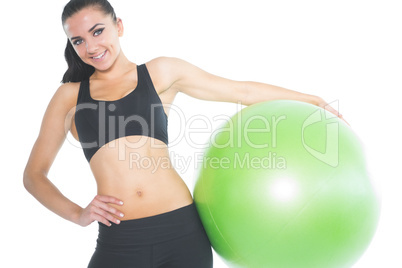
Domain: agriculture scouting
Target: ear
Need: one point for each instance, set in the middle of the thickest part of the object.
(120, 28)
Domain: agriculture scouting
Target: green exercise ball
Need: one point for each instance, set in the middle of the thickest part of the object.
(284, 184)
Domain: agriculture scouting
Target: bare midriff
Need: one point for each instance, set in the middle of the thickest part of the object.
(138, 171)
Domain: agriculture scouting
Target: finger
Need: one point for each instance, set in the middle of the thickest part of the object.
(103, 220)
(108, 208)
(340, 116)
(345, 121)
(105, 215)
(109, 199)
(329, 108)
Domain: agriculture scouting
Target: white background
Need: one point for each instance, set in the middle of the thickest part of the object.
(343, 50)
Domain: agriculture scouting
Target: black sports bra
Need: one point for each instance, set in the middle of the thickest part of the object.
(138, 113)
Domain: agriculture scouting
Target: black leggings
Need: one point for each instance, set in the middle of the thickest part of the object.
(173, 239)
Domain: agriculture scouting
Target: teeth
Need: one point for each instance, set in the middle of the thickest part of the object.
(100, 56)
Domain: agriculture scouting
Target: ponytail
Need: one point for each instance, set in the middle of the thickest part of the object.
(77, 69)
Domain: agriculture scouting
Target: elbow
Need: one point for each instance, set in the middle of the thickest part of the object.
(32, 176)
(26, 180)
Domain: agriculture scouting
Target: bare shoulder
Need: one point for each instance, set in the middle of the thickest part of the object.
(168, 65)
(67, 93)
(164, 62)
(164, 71)
(63, 103)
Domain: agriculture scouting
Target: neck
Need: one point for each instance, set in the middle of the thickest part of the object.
(120, 66)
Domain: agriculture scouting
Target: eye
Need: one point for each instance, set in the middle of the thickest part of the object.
(77, 42)
(98, 32)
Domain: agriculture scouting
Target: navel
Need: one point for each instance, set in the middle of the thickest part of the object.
(139, 193)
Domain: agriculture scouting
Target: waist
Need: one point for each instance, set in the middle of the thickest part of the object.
(146, 194)
(150, 230)
(144, 179)
(121, 163)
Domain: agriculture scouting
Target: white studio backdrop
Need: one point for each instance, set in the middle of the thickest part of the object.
(345, 51)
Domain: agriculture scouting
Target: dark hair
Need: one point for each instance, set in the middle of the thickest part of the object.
(77, 69)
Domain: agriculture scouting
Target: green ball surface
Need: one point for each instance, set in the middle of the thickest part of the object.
(284, 184)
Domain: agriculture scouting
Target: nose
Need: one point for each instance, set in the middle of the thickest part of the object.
(91, 46)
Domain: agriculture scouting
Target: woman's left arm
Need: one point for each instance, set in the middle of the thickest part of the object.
(200, 84)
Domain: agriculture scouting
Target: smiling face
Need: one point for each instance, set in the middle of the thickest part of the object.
(95, 37)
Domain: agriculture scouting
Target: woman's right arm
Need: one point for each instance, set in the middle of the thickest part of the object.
(55, 125)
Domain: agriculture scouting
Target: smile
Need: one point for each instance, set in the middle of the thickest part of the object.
(100, 56)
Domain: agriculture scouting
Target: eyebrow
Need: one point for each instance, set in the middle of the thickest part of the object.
(90, 30)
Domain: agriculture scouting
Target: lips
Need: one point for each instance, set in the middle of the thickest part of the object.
(100, 56)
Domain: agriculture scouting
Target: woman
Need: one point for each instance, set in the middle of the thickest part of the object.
(117, 109)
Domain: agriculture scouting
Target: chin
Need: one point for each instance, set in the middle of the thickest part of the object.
(100, 67)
